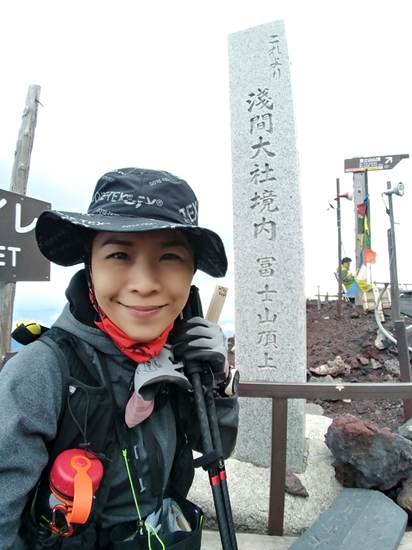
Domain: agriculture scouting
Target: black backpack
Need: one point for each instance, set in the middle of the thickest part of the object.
(87, 421)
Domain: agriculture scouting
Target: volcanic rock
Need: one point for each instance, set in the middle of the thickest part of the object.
(367, 456)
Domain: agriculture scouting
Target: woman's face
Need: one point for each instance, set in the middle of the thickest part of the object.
(142, 280)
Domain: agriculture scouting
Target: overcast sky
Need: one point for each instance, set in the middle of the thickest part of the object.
(132, 83)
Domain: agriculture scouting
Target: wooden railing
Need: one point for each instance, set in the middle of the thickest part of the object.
(280, 393)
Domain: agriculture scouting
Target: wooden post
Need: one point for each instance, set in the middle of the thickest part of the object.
(18, 184)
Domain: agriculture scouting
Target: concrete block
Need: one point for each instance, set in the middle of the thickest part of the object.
(359, 519)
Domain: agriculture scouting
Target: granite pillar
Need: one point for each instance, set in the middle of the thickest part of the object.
(270, 305)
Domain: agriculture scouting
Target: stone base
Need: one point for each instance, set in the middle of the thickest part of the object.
(358, 518)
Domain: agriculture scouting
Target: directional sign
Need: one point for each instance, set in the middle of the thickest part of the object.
(20, 258)
(360, 164)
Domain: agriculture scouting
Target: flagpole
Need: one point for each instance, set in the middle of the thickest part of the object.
(339, 303)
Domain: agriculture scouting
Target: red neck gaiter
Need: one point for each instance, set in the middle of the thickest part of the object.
(139, 352)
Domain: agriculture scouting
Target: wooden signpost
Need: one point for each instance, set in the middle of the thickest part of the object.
(18, 184)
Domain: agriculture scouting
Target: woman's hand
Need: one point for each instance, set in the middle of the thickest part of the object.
(199, 340)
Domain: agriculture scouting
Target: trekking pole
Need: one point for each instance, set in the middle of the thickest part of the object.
(217, 443)
(213, 314)
(213, 455)
(210, 455)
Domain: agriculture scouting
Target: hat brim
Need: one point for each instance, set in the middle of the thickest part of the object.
(61, 237)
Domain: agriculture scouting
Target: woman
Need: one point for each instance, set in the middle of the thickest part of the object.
(140, 245)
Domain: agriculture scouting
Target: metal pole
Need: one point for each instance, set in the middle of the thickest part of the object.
(360, 190)
(339, 304)
(404, 363)
(395, 311)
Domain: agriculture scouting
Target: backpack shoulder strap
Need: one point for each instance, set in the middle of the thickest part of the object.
(49, 340)
(183, 470)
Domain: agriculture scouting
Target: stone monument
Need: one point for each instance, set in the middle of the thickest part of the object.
(270, 304)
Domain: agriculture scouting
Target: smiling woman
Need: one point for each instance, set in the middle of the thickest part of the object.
(140, 245)
(141, 281)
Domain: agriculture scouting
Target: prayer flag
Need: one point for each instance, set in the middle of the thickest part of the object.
(361, 209)
(369, 256)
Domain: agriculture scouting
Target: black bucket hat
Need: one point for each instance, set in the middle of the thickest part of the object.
(131, 200)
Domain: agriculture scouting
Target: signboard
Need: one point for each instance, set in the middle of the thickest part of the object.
(360, 164)
(20, 258)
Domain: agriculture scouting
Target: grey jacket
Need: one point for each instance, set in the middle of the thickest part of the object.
(30, 403)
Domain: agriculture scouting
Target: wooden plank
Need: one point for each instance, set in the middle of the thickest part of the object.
(250, 541)
(319, 390)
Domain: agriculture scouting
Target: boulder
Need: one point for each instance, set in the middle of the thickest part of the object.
(367, 456)
(406, 429)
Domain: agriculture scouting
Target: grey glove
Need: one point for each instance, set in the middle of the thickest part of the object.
(150, 375)
(198, 339)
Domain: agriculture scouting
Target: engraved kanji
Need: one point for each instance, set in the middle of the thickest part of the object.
(261, 122)
(262, 175)
(267, 318)
(260, 100)
(267, 227)
(266, 266)
(265, 200)
(261, 146)
(265, 293)
(268, 362)
(268, 338)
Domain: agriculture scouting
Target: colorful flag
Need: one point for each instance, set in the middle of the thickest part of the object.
(361, 209)
(369, 256)
(361, 239)
(359, 282)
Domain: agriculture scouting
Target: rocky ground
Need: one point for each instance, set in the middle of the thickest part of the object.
(353, 338)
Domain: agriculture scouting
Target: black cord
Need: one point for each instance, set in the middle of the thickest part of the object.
(83, 430)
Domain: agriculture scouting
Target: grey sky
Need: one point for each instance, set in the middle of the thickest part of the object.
(137, 83)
